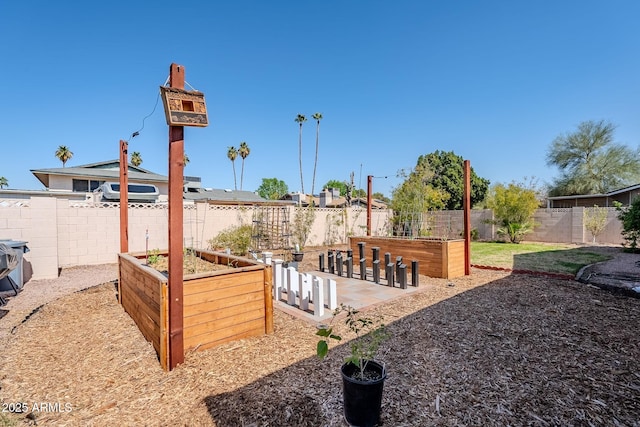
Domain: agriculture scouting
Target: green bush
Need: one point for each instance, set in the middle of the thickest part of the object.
(630, 217)
(236, 238)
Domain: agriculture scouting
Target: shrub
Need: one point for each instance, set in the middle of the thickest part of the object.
(237, 239)
(630, 218)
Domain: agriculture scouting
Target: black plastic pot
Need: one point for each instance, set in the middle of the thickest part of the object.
(297, 256)
(362, 399)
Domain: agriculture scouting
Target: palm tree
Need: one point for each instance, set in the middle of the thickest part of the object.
(136, 159)
(300, 119)
(63, 154)
(185, 160)
(243, 151)
(4, 182)
(232, 154)
(317, 117)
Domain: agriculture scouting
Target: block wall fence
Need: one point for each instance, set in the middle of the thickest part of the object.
(62, 233)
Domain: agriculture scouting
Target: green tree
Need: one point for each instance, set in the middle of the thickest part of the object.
(272, 189)
(243, 151)
(590, 162)
(413, 198)
(513, 207)
(334, 183)
(64, 154)
(136, 159)
(380, 196)
(4, 182)
(448, 175)
(595, 219)
(317, 117)
(300, 119)
(232, 154)
(630, 218)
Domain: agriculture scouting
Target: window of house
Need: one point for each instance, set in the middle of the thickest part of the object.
(85, 185)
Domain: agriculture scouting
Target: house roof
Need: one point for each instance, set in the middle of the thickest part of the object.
(585, 196)
(109, 170)
(226, 196)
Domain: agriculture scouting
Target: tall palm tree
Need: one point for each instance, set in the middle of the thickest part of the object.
(243, 151)
(232, 154)
(300, 119)
(64, 154)
(317, 117)
(136, 159)
(4, 182)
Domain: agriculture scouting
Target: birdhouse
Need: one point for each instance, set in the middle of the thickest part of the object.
(184, 107)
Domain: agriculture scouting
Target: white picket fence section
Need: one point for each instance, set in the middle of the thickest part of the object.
(301, 290)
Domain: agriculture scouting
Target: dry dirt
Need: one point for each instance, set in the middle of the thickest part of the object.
(489, 349)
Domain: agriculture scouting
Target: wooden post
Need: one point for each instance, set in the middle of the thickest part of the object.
(124, 197)
(369, 198)
(268, 299)
(467, 217)
(176, 232)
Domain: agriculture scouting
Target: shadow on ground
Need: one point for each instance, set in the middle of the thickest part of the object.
(522, 350)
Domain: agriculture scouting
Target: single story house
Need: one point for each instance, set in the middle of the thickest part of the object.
(623, 195)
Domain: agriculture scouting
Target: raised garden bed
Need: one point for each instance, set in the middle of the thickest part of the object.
(436, 258)
(227, 304)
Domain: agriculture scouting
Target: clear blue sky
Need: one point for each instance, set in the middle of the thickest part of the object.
(493, 81)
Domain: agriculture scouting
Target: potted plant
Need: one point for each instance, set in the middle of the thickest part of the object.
(302, 222)
(362, 376)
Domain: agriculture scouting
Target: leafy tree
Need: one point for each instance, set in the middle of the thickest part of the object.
(232, 154)
(513, 208)
(413, 198)
(595, 219)
(334, 183)
(317, 117)
(4, 182)
(136, 159)
(380, 196)
(630, 218)
(272, 189)
(590, 162)
(64, 154)
(448, 175)
(243, 151)
(300, 119)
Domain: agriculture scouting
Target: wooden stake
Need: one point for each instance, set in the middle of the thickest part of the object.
(176, 233)
(467, 217)
(124, 197)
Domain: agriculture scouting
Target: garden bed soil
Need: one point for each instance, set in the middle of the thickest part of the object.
(490, 349)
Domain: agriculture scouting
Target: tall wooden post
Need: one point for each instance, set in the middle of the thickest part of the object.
(369, 198)
(124, 197)
(176, 233)
(467, 217)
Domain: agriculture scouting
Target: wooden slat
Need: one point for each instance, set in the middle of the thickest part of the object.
(222, 283)
(223, 312)
(268, 301)
(248, 329)
(201, 307)
(217, 294)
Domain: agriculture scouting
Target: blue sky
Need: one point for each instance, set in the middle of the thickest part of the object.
(493, 81)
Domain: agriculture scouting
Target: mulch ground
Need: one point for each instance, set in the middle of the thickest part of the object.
(490, 349)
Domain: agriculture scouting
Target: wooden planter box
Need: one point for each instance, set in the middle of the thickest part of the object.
(219, 306)
(437, 258)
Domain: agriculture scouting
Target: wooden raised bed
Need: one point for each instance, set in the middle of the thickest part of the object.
(436, 258)
(219, 306)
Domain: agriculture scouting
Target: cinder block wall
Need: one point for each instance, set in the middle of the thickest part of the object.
(63, 233)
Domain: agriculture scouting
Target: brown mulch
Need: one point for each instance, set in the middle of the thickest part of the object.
(490, 349)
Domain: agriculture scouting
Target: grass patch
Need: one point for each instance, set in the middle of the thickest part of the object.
(552, 258)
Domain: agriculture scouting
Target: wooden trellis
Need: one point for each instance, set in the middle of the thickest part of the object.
(270, 229)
